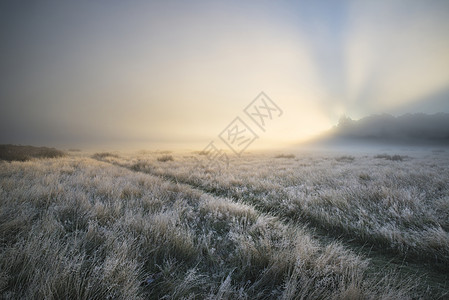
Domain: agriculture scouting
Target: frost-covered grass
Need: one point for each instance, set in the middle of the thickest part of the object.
(132, 226)
(399, 204)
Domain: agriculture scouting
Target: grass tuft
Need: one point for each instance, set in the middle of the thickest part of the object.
(165, 158)
(282, 155)
(103, 155)
(395, 157)
(345, 158)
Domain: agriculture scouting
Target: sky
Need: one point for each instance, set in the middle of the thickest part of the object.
(177, 73)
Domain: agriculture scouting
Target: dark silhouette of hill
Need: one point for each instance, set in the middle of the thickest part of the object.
(410, 129)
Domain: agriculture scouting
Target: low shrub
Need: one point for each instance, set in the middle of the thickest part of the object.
(23, 153)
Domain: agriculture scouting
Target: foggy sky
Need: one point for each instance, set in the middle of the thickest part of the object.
(177, 72)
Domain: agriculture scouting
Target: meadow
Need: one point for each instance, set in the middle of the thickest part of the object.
(162, 225)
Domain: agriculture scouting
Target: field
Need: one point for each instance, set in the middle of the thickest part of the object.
(162, 225)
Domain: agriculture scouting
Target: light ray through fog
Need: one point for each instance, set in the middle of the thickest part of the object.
(172, 72)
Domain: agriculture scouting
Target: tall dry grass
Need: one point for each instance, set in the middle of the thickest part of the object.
(401, 205)
(76, 228)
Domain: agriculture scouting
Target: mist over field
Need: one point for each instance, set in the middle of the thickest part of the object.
(412, 129)
(224, 149)
(410, 132)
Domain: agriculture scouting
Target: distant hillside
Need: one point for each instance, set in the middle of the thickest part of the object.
(410, 129)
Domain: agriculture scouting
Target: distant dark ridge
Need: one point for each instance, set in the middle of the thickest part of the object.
(23, 153)
(410, 129)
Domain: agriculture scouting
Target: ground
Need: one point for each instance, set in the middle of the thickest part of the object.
(154, 224)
